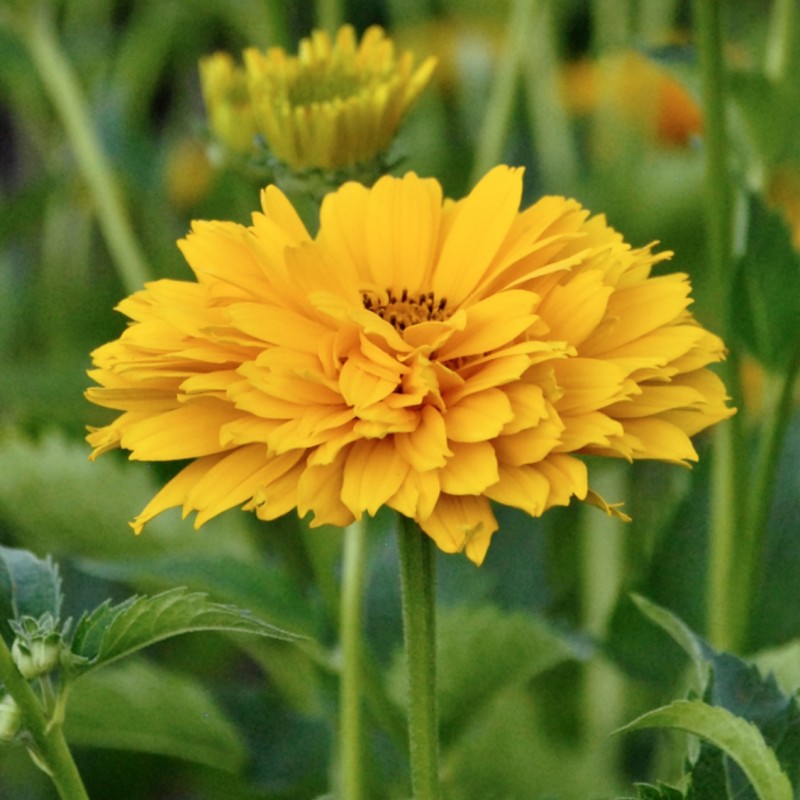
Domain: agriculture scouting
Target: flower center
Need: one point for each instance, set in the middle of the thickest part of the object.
(321, 86)
(407, 309)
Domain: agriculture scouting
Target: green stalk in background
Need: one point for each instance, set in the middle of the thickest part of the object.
(330, 15)
(350, 736)
(37, 32)
(49, 750)
(724, 623)
(554, 142)
(493, 134)
(417, 575)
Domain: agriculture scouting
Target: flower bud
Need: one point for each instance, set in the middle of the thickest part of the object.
(10, 718)
(38, 656)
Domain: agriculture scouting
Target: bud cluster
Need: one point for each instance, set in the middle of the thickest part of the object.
(38, 646)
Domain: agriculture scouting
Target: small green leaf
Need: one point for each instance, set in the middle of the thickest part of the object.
(739, 739)
(767, 288)
(111, 632)
(140, 706)
(648, 791)
(481, 652)
(696, 648)
(29, 586)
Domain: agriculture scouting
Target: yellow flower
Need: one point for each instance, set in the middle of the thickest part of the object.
(227, 102)
(422, 354)
(334, 105)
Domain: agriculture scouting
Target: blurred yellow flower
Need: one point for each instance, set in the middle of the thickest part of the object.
(418, 353)
(336, 104)
(227, 101)
(635, 91)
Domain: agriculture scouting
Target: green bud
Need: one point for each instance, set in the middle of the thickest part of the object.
(37, 656)
(10, 718)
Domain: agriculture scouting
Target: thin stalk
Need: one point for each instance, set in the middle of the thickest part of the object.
(602, 567)
(493, 134)
(611, 20)
(61, 84)
(350, 735)
(724, 513)
(779, 396)
(417, 577)
(50, 750)
(554, 143)
(780, 33)
(329, 15)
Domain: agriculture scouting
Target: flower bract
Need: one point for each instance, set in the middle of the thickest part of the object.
(418, 353)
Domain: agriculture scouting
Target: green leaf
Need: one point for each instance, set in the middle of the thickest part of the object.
(111, 632)
(143, 707)
(648, 791)
(739, 739)
(696, 648)
(739, 687)
(481, 652)
(264, 588)
(766, 293)
(57, 501)
(29, 586)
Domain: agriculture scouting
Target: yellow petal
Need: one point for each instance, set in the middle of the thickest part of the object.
(400, 231)
(478, 417)
(372, 474)
(187, 432)
(491, 323)
(489, 208)
(425, 448)
(470, 470)
(461, 523)
(174, 492)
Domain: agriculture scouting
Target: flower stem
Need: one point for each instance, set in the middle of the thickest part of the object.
(329, 15)
(778, 407)
(419, 624)
(62, 86)
(723, 627)
(350, 737)
(50, 748)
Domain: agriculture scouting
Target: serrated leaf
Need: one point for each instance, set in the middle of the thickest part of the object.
(648, 791)
(739, 739)
(739, 687)
(29, 586)
(143, 707)
(767, 288)
(264, 588)
(111, 632)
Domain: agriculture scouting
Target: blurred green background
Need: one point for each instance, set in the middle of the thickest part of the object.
(542, 653)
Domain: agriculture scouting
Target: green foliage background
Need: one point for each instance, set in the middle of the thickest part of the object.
(542, 652)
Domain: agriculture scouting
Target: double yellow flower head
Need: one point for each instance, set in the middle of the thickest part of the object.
(429, 355)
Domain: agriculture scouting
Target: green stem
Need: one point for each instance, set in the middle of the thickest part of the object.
(350, 736)
(50, 749)
(554, 143)
(777, 412)
(492, 136)
(329, 15)
(723, 583)
(62, 86)
(417, 577)
(780, 33)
